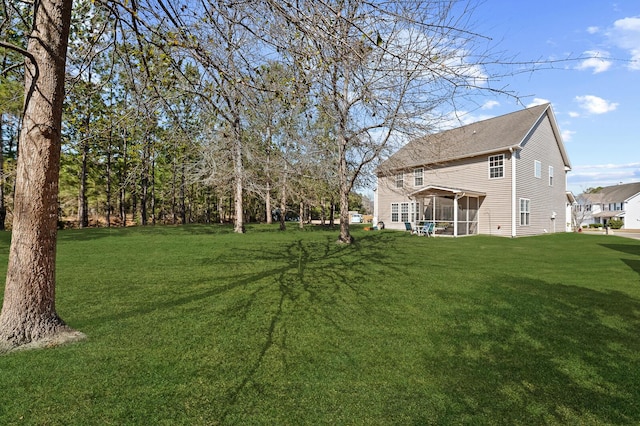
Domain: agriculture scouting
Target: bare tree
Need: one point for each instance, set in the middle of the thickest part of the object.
(28, 311)
(380, 71)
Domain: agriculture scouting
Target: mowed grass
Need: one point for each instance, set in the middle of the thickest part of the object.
(196, 325)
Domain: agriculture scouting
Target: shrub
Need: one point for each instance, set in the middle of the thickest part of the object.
(615, 223)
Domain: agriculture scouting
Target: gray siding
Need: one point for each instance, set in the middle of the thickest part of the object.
(471, 174)
(541, 145)
(496, 207)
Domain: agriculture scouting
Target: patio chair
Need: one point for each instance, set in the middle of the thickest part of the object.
(408, 227)
(426, 229)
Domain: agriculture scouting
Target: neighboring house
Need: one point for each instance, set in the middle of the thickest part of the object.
(612, 202)
(503, 176)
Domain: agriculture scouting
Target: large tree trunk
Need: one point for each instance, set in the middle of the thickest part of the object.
(28, 311)
(3, 208)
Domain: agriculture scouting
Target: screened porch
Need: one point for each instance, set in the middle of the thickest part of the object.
(453, 211)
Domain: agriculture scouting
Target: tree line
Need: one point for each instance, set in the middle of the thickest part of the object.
(203, 110)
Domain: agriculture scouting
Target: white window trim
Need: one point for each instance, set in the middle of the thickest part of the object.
(397, 212)
(495, 158)
(418, 174)
(399, 180)
(526, 212)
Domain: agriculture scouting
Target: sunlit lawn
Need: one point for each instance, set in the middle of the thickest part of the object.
(197, 325)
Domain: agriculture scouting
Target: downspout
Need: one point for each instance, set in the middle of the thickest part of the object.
(513, 192)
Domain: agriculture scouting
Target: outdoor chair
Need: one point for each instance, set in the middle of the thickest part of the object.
(426, 229)
(407, 227)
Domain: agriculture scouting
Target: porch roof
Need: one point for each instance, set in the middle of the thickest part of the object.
(439, 190)
(609, 214)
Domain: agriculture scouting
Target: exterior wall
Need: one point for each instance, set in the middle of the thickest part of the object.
(545, 200)
(494, 214)
(632, 213)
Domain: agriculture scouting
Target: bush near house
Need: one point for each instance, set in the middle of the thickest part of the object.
(616, 223)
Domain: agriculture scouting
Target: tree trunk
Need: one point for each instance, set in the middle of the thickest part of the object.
(238, 168)
(345, 236)
(267, 204)
(123, 185)
(83, 207)
(183, 195)
(3, 207)
(28, 312)
(301, 215)
(283, 200)
(108, 189)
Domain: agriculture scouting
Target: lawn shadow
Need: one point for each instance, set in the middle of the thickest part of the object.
(530, 352)
(631, 248)
(322, 277)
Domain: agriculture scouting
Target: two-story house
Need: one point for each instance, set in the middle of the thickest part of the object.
(611, 202)
(502, 176)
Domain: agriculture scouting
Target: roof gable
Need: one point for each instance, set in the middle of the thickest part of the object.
(479, 138)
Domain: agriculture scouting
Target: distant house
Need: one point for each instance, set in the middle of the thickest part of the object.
(503, 176)
(611, 202)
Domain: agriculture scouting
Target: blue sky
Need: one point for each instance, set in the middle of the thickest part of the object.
(596, 101)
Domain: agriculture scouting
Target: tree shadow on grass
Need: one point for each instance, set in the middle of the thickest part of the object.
(324, 277)
(633, 249)
(529, 352)
(313, 277)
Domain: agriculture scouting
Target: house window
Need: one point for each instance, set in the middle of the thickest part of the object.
(537, 169)
(496, 166)
(418, 178)
(399, 180)
(415, 211)
(550, 175)
(404, 212)
(394, 212)
(524, 211)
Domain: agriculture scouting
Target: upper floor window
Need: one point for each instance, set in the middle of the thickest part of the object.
(550, 175)
(496, 166)
(537, 169)
(418, 177)
(399, 180)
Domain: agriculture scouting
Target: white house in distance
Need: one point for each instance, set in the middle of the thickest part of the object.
(612, 202)
(503, 176)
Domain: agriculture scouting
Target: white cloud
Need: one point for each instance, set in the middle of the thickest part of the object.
(538, 101)
(574, 114)
(593, 30)
(567, 135)
(595, 105)
(591, 176)
(490, 104)
(596, 61)
(626, 35)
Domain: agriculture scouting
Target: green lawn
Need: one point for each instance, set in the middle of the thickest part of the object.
(196, 325)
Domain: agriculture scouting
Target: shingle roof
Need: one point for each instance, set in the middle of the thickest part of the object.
(483, 137)
(614, 194)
